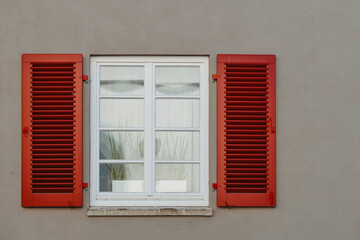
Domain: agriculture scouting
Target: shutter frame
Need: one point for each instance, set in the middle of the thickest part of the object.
(246, 199)
(45, 198)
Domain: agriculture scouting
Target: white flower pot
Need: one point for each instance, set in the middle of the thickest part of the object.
(127, 186)
(171, 186)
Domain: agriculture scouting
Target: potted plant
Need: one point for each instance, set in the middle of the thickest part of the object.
(174, 177)
(119, 172)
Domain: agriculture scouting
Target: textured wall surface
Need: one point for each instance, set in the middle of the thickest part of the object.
(318, 110)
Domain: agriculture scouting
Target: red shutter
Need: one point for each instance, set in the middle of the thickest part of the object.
(51, 130)
(246, 130)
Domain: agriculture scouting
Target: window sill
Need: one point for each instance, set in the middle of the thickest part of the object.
(149, 211)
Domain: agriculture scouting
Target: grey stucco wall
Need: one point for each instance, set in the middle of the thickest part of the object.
(318, 56)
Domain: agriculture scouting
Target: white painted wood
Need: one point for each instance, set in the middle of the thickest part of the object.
(149, 197)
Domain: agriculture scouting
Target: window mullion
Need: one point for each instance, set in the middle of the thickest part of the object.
(153, 119)
(148, 161)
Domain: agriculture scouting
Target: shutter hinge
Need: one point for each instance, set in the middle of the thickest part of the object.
(214, 77)
(272, 128)
(214, 186)
(85, 186)
(85, 78)
(271, 199)
(26, 131)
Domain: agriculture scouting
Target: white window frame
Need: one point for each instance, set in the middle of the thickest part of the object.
(142, 199)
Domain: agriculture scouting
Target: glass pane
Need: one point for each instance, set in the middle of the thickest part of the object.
(121, 112)
(177, 80)
(121, 177)
(124, 145)
(175, 145)
(124, 80)
(177, 177)
(177, 113)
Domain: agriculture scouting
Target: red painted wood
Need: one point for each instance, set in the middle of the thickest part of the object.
(52, 130)
(246, 164)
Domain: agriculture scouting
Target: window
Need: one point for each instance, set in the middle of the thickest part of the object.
(149, 131)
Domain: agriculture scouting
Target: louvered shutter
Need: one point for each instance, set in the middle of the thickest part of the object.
(246, 130)
(52, 130)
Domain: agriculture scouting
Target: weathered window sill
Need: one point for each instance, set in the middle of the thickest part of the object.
(149, 211)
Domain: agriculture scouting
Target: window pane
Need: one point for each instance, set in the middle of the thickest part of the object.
(124, 80)
(177, 80)
(177, 177)
(121, 113)
(124, 145)
(176, 145)
(177, 113)
(121, 177)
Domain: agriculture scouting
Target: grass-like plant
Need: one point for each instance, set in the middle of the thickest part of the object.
(174, 148)
(117, 171)
(123, 145)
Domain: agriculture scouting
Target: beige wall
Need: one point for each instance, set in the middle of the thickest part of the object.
(317, 44)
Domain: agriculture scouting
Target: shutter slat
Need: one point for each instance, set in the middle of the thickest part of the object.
(252, 150)
(52, 174)
(239, 131)
(245, 155)
(247, 164)
(249, 103)
(237, 98)
(244, 136)
(57, 136)
(236, 83)
(45, 102)
(52, 164)
(247, 78)
(53, 144)
(54, 169)
(53, 97)
(246, 99)
(52, 121)
(53, 68)
(49, 150)
(54, 107)
(247, 160)
(52, 111)
(246, 117)
(244, 107)
(52, 126)
(244, 69)
(52, 83)
(253, 179)
(249, 112)
(36, 72)
(51, 91)
(52, 77)
(246, 145)
(49, 179)
(247, 174)
(245, 121)
(244, 184)
(247, 93)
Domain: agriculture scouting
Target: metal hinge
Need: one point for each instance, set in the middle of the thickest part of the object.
(85, 78)
(214, 186)
(214, 77)
(271, 199)
(26, 131)
(272, 128)
(85, 186)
